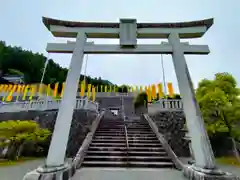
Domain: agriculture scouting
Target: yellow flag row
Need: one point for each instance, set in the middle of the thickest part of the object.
(152, 91)
(31, 90)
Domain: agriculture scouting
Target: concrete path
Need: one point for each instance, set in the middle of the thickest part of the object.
(128, 173)
(17, 172)
(138, 174)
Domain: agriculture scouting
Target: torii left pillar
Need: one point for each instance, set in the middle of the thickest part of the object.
(56, 155)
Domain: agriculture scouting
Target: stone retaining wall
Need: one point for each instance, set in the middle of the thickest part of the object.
(171, 124)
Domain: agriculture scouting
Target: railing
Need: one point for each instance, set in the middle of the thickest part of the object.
(114, 94)
(166, 104)
(41, 105)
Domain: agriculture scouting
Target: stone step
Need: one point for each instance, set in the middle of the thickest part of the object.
(110, 130)
(127, 158)
(143, 141)
(110, 134)
(160, 149)
(134, 164)
(111, 127)
(111, 123)
(137, 123)
(130, 134)
(123, 140)
(139, 144)
(109, 140)
(139, 131)
(138, 128)
(96, 137)
(123, 153)
(122, 148)
(108, 144)
(142, 138)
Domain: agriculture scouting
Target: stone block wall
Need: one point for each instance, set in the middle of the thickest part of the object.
(171, 124)
(81, 122)
(129, 106)
(107, 102)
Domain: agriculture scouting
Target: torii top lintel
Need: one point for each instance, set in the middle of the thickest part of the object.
(53, 23)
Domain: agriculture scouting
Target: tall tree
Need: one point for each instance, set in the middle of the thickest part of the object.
(220, 105)
(15, 60)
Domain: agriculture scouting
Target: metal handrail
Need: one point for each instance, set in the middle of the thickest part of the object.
(126, 137)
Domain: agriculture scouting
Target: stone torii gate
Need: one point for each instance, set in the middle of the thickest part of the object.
(128, 31)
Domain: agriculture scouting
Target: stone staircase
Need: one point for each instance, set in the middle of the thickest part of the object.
(130, 143)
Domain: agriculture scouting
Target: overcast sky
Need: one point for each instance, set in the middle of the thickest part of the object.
(21, 25)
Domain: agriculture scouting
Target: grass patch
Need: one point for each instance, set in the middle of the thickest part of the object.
(5, 162)
(228, 160)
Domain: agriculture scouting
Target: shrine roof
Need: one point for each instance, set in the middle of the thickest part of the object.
(49, 21)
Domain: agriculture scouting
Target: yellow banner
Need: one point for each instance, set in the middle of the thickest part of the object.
(154, 94)
(32, 90)
(25, 93)
(9, 97)
(101, 90)
(2, 87)
(170, 89)
(55, 93)
(93, 93)
(19, 90)
(146, 89)
(149, 94)
(136, 89)
(82, 92)
(40, 91)
(160, 90)
(89, 91)
(132, 89)
(63, 86)
(5, 91)
(49, 90)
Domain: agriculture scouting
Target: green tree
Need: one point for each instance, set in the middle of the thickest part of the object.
(220, 106)
(15, 134)
(141, 100)
(15, 60)
(123, 88)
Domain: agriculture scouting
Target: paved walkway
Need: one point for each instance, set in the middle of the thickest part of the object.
(17, 172)
(137, 174)
(133, 174)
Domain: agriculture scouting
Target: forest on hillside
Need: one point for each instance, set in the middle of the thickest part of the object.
(15, 60)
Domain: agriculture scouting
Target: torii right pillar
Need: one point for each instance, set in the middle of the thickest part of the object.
(204, 166)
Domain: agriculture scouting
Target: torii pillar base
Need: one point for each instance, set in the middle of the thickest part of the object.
(64, 172)
(192, 172)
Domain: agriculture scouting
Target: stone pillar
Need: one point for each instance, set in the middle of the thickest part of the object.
(200, 143)
(204, 166)
(57, 149)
